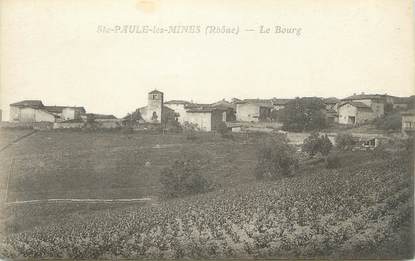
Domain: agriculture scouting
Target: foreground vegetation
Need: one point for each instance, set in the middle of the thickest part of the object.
(364, 210)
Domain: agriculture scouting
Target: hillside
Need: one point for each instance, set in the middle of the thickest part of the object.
(356, 211)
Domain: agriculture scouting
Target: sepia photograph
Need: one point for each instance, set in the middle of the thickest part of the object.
(178, 129)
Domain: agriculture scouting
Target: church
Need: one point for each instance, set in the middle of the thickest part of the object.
(205, 116)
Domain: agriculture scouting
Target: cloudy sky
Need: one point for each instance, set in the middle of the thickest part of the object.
(51, 50)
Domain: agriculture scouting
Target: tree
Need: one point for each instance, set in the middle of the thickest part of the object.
(304, 114)
(392, 121)
(275, 157)
(315, 144)
(344, 141)
(183, 178)
(312, 144)
(326, 145)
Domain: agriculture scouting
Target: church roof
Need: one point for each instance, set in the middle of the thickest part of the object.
(155, 91)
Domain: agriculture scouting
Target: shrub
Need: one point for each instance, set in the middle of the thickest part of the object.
(222, 128)
(391, 122)
(333, 161)
(315, 144)
(275, 158)
(183, 178)
(344, 141)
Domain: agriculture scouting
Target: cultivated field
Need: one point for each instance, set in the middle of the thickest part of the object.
(363, 209)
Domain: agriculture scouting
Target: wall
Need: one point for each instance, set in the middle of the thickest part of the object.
(408, 122)
(345, 111)
(247, 112)
(365, 116)
(70, 114)
(217, 118)
(178, 108)
(378, 108)
(14, 113)
(202, 119)
(68, 125)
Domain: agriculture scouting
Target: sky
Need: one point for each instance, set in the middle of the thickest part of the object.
(52, 50)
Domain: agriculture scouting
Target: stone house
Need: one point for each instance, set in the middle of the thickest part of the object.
(408, 122)
(253, 110)
(205, 118)
(179, 106)
(351, 112)
(35, 111)
(376, 102)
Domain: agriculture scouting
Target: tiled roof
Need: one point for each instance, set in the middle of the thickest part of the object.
(102, 116)
(260, 102)
(177, 102)
(58, 109)
(155, 91)
(365, 96)
(28, 103)
(359, 105)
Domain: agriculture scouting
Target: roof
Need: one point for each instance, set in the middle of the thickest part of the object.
(365, 96)
(177, 102)
(28, 103)
(359, 105)
(259, 102)
(101, 116)
(58, 109)
(155, 91)
(331, 100)
(223, 104)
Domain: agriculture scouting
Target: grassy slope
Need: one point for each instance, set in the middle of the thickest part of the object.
(111, 164)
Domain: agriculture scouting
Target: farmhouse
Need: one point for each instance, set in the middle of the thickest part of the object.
(35, 111)
(206, 118)
(408, 122)
(253, 110)
(376, 102)
(351, 112)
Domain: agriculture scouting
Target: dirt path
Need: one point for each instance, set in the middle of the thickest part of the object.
(77, 200)
(17, 140)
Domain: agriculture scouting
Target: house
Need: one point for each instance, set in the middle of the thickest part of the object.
(66, 112)
(351, 112)
(36, 111)
(179, 106)
(376, 102)
(408, 122)
(253, 110)
(30, 111)
(205, 118)
(229, 109)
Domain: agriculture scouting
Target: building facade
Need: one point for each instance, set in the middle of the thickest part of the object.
(153, 112)
(355, 113)
(253, 110)
(408, 122)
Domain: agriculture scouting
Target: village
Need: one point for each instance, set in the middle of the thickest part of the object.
(357, 113)
(233, 178)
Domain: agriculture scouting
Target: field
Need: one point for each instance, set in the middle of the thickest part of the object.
(111, 164)
(363, 209)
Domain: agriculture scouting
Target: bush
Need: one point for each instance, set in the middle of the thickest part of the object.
(315, 144)
(222, 128)
(344, 141)
(333, 161)
(275, 158)
(392, 122)
(183, 178)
